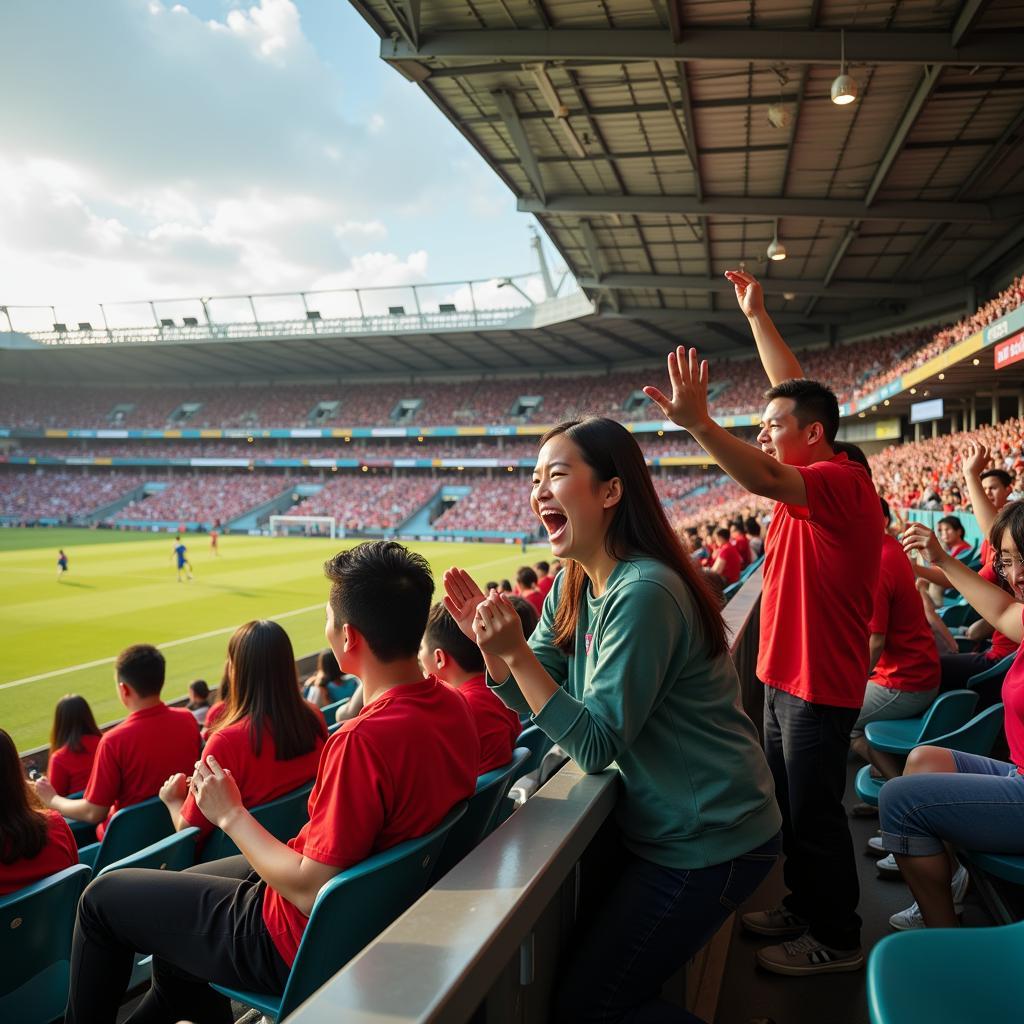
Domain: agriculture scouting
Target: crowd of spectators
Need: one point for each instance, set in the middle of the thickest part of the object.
(368, 502)
(63, 495)
(497, 504)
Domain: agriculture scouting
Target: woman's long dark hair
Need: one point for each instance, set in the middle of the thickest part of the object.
(23, 825)
(72, 719)
(639, 526)
(327, 668)
(263, 686)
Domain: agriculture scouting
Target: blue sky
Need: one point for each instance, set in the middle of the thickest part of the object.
(160, 149)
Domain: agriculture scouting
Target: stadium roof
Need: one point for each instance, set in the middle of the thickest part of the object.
(639, 134)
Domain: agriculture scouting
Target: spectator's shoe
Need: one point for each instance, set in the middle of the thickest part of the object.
(909, 919)
(807, 955)
(776, 923)
(888, 868)
(863, 810)
(875, 847)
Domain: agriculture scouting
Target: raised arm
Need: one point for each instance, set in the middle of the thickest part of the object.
(975, 459)
(776, 356)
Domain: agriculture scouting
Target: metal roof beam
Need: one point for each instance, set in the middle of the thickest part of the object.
(769, 45)
(517, 134)
(683, 317)
(996, 251)
(772, 285)
(766, 207)
(967, 19)
(593, 251)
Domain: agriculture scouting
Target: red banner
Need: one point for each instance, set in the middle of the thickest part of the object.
(1010, 351)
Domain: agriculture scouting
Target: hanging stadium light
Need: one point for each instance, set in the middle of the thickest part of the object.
(844, 87)
(776, 250)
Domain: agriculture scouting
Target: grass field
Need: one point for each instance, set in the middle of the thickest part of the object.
(62, 636)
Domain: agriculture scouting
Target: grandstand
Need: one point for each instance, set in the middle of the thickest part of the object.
(657, 146)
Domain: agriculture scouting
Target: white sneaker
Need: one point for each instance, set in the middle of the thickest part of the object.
(875, 847)
(909, 919)
(888, 867)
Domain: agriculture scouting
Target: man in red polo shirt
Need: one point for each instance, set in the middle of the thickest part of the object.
(133, 759)
(545, 578)
(392, 773)
(451, 656)
(822, 557)
(726, 560)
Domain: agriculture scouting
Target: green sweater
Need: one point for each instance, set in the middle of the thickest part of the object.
(641, 694)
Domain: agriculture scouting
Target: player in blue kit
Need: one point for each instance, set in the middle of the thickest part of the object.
(182, 560)
(62, 563)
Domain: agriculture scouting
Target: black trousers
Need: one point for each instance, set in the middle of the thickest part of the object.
(807, 747)
(204, 924)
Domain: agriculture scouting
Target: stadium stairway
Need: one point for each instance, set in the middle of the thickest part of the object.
(98, 515)
(419, 522)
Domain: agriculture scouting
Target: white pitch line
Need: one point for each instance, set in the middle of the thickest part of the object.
(163, 646)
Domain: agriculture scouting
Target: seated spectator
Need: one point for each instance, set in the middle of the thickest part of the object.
(34, 842)
(269, 738)
(725, 559)
(753, 528)
(328, 684)
(738, 539)
(447, 653)
(545, 577)
(904, 663)
(199, 700)
(526, 579)
(218, 707)
(527, 614)
(135, 757)
(949, 799)
(73, 742)
(506, 587)
(950, 532)
(390, 775)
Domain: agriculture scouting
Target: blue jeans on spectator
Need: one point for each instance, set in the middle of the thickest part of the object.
(980, 807)
(652, 920)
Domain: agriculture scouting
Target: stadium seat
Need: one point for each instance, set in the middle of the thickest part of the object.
(332, 729)
(282, 818)
(959, 613)
(901, 735)
(996, 673)
(732, 589)
(947, 976)
(353, 908)
(128, 831)
(36, 925)
(750, 569)
(538, 743)
(481, 813)
(172, 853)
(330, 710)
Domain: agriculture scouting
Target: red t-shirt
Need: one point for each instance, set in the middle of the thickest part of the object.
(497, 726)
(60, 852)
(731, 567)
(259, 778)
(68, 771)
(820, 570)
(136, 757)
(909, 660)
(544, 584)
(390, 774)
(742, 545)
(1002, 645)
(536, 598)
(1013, 709)
(960, 545)
(216, 711)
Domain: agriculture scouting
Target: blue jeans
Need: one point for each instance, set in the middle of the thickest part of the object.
(980, 807)
(652, 920)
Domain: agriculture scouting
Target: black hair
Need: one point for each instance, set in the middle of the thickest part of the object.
(491, 585)
(527, 614)
(327, 668)
(953, 523)
(506, 586)
(383, 590)
(1000, 474)
(722, 533)
(199, 688)
(526, 577)
(886, 511)
(813, 402)
(854, 454)
(543, 566)
(753, 526)
(141, 667)
(443, 633)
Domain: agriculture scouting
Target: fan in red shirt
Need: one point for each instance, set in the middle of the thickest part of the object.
(904, 660)
(269, 737)
(545, 578)
(738, 539)
(726, 560)
(447, 653)
(390, 774)
(822, 555)
(73, 742)
(529, 588)
(135, 758)
(34, 842)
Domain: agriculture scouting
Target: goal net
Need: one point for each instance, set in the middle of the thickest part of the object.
(303, 526)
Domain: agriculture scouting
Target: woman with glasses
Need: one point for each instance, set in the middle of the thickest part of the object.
(947, 799)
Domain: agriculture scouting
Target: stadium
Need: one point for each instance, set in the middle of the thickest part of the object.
(806, 195)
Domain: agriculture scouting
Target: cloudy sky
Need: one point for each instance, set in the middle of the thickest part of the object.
(156, 149)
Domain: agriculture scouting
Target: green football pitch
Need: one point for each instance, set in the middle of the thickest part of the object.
(61, 636)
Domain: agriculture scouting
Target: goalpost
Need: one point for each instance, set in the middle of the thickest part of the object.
(310, 526)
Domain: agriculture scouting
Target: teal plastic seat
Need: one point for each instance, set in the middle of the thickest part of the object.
(481, 813)
(960, 613)
(867, 786)
(901, 735)
(334, 727)
(329, 711)
(351, 910)
(36, 925)
(1007, 866)
(996, 673)
(128, 831)
(538, 743)
(282, 818)
(750, 569)
(948, 976)
(732, 589)
(172, 853)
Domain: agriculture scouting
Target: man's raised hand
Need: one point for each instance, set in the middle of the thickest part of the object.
(688, 406)
(749, 294)
(975, 459)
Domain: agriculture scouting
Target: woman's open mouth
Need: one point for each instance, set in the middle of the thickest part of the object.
(554, 522)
